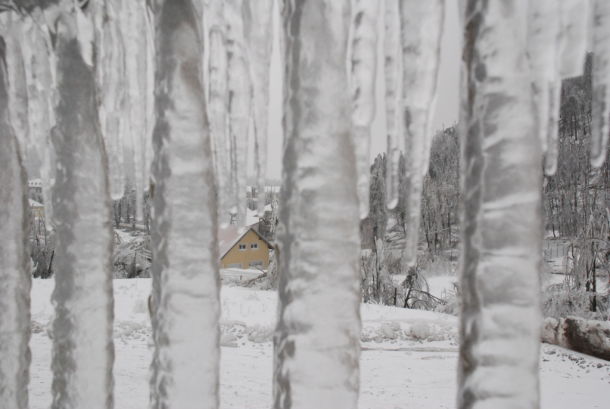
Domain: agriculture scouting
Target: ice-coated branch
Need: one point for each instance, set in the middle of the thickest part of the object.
(185, 299)
(83, 349)
(600, 123)
(421, 25)
(316, 341)
(501, 226)
(14, 260)
(393, 100)
(240, 104)
(363, 66)
(259, 35)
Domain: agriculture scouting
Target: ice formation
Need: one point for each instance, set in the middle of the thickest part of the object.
(600, 121)
(316, 340)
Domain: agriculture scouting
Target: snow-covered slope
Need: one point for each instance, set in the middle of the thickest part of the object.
(408, 357)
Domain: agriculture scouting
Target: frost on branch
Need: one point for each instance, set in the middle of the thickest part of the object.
(185, 303)
(15, 275)
(319, 290)
(421, 25)
(502, 182)
(362, 83)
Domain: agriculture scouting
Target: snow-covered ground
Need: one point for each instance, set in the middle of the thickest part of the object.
(408, 357)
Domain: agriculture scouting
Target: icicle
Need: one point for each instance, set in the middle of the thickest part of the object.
(83, 351)
(600, 126)
(502, 227)
(259, 36)
(217, 109)
(393, 83)
(185, 299)
(575, 20)
(422, 26)
(362, 83)
(110, 72)
(319, 290)
(240, 98)
(14, 261)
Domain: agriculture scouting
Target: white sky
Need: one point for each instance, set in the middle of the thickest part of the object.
(447, 98)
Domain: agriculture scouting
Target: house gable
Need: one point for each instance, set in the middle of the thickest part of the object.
(249, 250)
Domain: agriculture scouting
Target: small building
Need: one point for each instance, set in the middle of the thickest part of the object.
(243, 248)
(37, 209)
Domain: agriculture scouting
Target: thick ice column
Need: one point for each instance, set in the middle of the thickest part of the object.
(185, 255)
(600, 123)
(14, 261)
(259, 35)
(83, 349)
(240, 104)
(393, 100)
(421, 31)
(363, 66)
(316, 340)
(501, 227)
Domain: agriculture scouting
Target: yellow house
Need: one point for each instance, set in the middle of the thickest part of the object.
(37, 209)
(243, 248)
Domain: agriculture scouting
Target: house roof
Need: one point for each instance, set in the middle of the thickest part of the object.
(34, 203)
(229, 236)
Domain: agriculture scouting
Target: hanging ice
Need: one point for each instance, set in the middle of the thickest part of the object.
(14, 260)
(421, 31)
(240, 101)
(110, 74)
(362, 83)
(319, 291)
(185, 300)
(83, 351)
(217, 109)
(502, 227)
(393, 101)
(600, 127)
(259, 35)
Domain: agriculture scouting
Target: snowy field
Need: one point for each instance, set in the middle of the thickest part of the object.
(408, 357)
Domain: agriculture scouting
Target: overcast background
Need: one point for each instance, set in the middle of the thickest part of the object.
(447, 98)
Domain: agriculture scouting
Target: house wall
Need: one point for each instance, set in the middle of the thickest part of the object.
(245, 257)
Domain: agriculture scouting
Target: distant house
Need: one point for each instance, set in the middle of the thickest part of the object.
(35, 189)
(37, 209)
(243, 248)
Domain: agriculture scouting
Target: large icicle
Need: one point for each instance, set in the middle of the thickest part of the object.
(502, 228)
(240, 101)
(110, 73)
(421, 31)
(600, 123)
(362, 83)
(83, 351)
(259, 35)
(393, 110)
(14, 261)
(185, 255)
(217, 109)
(319, 291)
(543, 34)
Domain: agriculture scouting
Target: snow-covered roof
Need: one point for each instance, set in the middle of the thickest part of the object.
(230, 235)
(34, 203)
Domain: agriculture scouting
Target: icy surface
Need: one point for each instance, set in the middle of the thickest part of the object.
(421, 30)
(502, 181)
(600, 122)
(574, 36)
(240, 104)
(362, 83)
(15, 278)
(83, 351)
(184, 304)
(316, 363)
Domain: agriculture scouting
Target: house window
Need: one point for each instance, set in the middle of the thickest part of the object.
(254, 245)
(242, 247)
